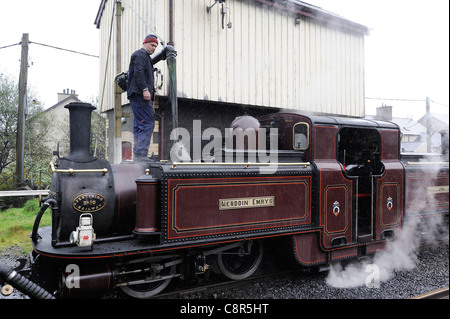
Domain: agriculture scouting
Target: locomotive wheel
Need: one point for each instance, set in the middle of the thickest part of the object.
(237, 264)
(145, 291)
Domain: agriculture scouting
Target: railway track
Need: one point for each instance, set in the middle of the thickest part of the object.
(435, 294)
(188, 292)
(442, 293)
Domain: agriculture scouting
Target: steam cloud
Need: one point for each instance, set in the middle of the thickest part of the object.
(400, 254)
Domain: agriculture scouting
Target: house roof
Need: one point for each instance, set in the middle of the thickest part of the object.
(412, 147)
(64, 102)
(439, 122)
(409, 126)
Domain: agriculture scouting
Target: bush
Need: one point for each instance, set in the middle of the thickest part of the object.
(32, 205)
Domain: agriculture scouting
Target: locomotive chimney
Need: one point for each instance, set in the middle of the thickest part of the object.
(80, 131)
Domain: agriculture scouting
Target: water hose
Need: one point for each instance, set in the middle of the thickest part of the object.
(171, 55)
(23, 284)
(49, 202)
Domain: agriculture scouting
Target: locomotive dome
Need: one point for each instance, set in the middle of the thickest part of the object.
(248, 124)
(245, 122)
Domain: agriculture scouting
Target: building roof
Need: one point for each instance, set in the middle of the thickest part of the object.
(98, 18)
(307, 10)
(294, 6)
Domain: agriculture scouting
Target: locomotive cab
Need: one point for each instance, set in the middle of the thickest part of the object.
(359, 153)
(292, 135)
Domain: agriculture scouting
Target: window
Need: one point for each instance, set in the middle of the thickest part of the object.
(301, 136)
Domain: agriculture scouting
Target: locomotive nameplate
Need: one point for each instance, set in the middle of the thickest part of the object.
(437, 189)
(246, 202)
(89, 202)
(214, 206)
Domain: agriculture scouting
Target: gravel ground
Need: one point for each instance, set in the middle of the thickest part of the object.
(9, 257)
(429, 271)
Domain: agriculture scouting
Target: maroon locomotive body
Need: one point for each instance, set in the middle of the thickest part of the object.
(336, 188)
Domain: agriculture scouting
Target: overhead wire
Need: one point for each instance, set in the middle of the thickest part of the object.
(405, 100)
(439, 103)
(11, 45)
(146, 24)
(51, 46)
(58, 48)
(391, 99)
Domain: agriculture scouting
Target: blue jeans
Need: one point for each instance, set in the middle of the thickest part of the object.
(144, 123)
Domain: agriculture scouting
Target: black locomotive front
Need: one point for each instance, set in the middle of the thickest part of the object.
(89, 190)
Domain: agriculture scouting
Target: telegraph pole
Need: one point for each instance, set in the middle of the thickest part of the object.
(20, 137)
(428, 121)
(117, 93)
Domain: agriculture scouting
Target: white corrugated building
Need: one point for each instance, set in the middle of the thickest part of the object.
(250, 56)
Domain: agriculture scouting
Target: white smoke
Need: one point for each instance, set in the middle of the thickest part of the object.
(400, 253)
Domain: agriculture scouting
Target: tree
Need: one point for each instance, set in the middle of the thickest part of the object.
(8, 119)
(39, 141)
(36, 154)
(98, 134)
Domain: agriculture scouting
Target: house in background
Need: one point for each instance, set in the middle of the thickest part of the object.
(57, 137)
(414, 133)
(438, 128)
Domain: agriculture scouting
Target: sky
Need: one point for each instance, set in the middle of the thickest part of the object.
(406, 51)
(66, 24)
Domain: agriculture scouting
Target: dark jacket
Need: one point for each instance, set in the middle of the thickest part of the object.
(140, 74)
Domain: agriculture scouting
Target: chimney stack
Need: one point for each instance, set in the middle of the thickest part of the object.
(384, 113)
(65, 94)
(80, 131)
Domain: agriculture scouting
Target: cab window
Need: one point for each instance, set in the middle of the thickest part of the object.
(301, 136)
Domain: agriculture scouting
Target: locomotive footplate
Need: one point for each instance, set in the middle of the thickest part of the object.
(123, 246)
(127, 245)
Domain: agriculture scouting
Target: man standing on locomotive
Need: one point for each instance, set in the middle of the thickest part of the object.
(141, 93)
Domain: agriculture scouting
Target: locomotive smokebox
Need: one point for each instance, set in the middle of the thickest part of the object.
(80, 131)
(86, 184)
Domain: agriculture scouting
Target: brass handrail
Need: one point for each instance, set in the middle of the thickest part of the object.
(246, 165)
(70, 171)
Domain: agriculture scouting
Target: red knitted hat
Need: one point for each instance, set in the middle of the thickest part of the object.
(151, 38)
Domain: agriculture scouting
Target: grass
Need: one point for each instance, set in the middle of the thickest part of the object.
(16, 225)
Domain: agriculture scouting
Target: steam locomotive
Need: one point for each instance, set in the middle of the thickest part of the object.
(333, 188)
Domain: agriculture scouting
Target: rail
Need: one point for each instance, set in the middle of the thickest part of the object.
(246, 165)
(426, 163)
(435, 294)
